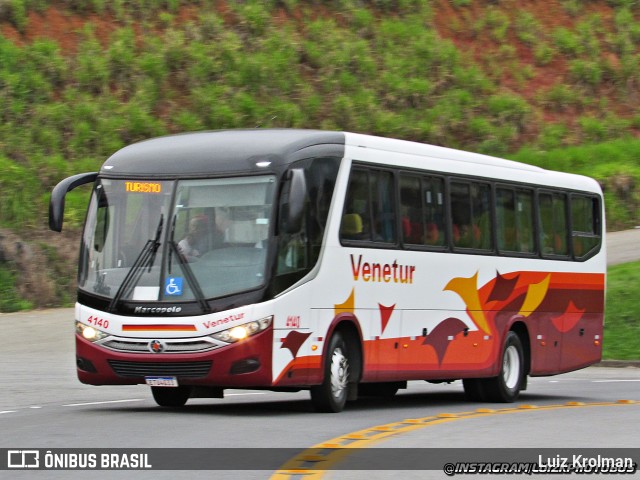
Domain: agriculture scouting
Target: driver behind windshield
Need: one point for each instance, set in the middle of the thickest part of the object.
(194, 244)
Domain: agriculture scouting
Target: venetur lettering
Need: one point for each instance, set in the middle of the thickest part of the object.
(381, 272)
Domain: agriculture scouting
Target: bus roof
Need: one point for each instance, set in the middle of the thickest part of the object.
(220, 151)
(423, 149)
(448, 160)
(238, 151)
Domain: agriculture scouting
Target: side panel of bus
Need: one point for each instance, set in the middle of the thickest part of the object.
(442, 315)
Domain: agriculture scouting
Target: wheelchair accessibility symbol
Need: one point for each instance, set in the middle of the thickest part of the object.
(173, 286)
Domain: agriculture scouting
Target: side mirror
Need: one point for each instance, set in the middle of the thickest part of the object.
(56, 204)
(292, 201)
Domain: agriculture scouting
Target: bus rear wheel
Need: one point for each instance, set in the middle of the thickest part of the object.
(505, 388)
(171, 396)
(331, 395)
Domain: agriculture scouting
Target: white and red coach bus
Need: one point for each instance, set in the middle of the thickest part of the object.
(341, 263)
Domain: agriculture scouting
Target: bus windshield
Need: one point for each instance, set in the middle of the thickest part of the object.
(179, 240)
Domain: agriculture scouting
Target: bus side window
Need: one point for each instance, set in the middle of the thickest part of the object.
(506, 220)
(514, 220)
(383, 206)
(434, 215)
(481, 221)
(460, 214)
(410, 210)
(356, 216)
(553, 224)
(585, 225)
(525, 221)
(369, 212)
(471, 215)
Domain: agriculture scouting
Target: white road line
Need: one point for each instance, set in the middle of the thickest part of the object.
(613, 381)
(102, 403)
(8, 411)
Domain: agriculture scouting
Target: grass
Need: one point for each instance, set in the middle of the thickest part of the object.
(622, 324)
(10, 300)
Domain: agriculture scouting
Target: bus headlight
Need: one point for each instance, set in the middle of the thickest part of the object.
(90, 333)
(240, 332)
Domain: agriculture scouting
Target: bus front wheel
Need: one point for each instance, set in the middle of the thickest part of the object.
(171, 396)
(331, 395)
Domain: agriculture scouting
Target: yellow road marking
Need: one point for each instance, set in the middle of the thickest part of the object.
(314, 461)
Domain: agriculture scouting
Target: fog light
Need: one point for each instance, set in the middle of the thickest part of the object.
(245, 366)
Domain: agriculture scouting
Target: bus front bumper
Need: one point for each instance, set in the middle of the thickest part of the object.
(243, 364)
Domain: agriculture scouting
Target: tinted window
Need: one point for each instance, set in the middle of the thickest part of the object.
(586, 226)
(471, 215)
(553, 223)
(514, 220)
(422, 210)
(369, 212)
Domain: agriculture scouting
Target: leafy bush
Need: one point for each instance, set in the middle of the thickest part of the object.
(586, 72)
(561, 97)
(528, 28)
(567, 42)
(543, 53)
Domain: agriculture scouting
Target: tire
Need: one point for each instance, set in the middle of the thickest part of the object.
(473, 391)
(172, 397)
(505, 388)
(331, 395)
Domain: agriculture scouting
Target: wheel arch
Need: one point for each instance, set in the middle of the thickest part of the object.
(520, 329)
(349, 327)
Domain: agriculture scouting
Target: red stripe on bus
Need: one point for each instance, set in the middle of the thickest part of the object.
(164, 328)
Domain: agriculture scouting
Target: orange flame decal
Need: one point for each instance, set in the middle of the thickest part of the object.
(467, 289)
(535, 295)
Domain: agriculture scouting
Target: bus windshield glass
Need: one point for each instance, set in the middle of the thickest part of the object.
(209, 242)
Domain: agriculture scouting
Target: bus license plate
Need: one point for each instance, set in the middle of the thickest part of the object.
(161, 381)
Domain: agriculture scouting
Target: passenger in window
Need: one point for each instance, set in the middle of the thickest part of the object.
(462, 236)
(194, 244)
(433, 234)
(411, 226)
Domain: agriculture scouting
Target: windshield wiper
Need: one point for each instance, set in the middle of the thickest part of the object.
(146, 257)
(188, 273)
(171, 242)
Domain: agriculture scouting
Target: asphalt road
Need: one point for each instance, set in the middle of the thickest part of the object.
(623, 247)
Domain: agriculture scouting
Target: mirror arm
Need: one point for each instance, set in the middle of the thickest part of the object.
(56, 204)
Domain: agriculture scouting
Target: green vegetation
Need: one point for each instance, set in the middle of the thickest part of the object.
(375, 66)
(10, 300)
(622, 324)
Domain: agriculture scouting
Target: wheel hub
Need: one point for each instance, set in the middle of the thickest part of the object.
(339, 373)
